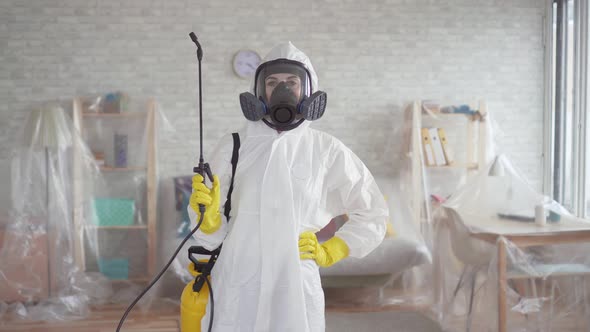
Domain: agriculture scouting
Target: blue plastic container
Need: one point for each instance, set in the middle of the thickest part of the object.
(114, 211)
(114, 268)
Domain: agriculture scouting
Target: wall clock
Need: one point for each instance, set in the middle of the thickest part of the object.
(245, 63)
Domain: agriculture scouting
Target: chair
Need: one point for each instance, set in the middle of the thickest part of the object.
(475, 255)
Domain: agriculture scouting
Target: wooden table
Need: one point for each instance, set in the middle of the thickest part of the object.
(522, 234)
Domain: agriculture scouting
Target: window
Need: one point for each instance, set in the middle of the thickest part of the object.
(569, 140)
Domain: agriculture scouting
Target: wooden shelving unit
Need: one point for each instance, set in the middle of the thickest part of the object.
(80, 183)
(475, 154)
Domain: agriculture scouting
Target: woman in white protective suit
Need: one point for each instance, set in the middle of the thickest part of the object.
(289, 182)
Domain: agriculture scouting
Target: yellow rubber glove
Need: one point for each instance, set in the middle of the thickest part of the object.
(325, 254)
(210, 198)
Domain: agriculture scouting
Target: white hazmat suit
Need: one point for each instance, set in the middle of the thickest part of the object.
(285, 184)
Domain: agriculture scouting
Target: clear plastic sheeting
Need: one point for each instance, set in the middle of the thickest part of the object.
(38, 272)
(82, 229)
(121, 240)
(506, 257)
(510, 258)
(418, 183)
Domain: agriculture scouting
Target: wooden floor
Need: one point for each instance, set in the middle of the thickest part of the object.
(538, 322)
(105, 319)
(165, 317)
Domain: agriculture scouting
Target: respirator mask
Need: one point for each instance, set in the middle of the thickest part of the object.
(283, 97)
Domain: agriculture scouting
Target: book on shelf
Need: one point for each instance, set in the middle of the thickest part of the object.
(445, 146)
(439, 155)
(427, 147)
(436, 147)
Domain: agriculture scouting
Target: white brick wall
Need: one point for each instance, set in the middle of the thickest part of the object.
(371, 57)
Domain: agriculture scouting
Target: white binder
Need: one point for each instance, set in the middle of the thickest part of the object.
(439, 154)
(427, 146)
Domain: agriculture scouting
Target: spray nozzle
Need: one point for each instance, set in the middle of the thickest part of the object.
(196, 41)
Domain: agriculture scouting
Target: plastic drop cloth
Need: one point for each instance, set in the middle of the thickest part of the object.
(497, 235)
(123, 239)
(409, 185)
(493, 215)
(40, 278)
(78, 231)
